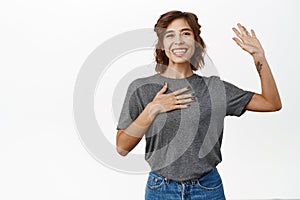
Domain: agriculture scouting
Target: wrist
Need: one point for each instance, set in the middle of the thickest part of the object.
(259, 61)
(258, 57)
(152, 110)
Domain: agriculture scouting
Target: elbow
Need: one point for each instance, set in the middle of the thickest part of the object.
(121, 151)
(277, 107)
(278, 104)
(273, 105)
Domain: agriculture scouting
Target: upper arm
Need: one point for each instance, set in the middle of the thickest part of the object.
(236, 99)
(132, 107)
(260, 104)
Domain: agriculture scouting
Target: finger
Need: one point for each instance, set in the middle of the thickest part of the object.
(253, 33)
(238, 42)
(184, 96)
(181, 90)
(243, 29)
(182, 106)
(185, 100)
(237, 33)
(163, 89)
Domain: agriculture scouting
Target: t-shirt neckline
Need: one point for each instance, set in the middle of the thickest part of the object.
(159, 75)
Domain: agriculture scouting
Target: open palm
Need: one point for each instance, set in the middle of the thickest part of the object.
(247, 41)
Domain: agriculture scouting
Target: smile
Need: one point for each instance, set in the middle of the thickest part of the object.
(179, 51)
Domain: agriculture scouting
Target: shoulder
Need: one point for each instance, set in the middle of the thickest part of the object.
(139, 82)
(216, 80)
(211, 79)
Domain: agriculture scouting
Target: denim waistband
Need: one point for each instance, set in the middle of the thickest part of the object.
(192, 180)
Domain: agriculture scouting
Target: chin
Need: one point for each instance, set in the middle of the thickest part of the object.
(180, 60)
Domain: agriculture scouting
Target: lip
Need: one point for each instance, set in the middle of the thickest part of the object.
(179, 51)
(182, 48)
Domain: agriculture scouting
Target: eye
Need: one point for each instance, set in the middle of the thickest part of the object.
(169, 35)
(186, 33)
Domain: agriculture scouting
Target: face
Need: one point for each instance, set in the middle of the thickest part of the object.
(178, 41)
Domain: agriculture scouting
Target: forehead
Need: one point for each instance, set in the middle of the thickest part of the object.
(178, 25)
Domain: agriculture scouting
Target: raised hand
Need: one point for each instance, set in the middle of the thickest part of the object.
(248, 42)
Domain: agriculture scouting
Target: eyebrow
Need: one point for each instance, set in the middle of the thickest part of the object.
(184, 29)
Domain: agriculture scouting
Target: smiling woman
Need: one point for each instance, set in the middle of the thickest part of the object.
(183, 131)
(185, 29)
(178, 43)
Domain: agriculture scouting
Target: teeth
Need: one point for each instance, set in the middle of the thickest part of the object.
(179, 51)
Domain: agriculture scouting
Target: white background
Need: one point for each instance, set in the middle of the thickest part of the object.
(43, 45)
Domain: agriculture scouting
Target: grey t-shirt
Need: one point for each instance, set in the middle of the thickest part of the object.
(184, 143)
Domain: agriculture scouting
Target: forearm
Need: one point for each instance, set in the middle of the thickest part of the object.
(268, 84)
(128, 138)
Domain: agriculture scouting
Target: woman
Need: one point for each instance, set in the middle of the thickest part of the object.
(181, 113)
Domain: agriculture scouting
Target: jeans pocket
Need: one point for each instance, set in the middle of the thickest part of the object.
(155, 181)
(210, 180)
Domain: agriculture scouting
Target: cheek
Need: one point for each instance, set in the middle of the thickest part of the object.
(190, 42)
(193, 48)
(166, 45)
(192, 45)
(168, 54)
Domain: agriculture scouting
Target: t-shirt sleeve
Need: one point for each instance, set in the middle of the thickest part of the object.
(132, 107)
(236, 99)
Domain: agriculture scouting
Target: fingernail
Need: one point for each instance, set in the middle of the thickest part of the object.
(188, 87)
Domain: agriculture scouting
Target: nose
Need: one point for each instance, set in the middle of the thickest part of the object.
(178, 39)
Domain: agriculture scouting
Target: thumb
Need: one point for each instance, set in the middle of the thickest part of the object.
(164, 88)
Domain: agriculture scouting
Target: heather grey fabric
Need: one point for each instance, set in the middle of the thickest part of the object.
(184, 143)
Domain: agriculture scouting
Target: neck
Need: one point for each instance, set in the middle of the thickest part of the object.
(178, 70)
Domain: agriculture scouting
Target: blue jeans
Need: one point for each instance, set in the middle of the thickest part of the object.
(208, 186)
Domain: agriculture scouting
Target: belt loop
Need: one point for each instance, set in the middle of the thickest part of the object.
(195, 180)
